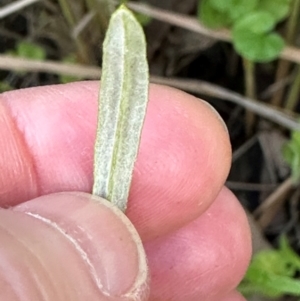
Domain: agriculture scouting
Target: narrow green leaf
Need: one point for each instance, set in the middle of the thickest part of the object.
(122, 107)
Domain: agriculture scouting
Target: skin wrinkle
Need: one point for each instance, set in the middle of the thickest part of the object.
(95, 290)
(141, 284)
(72, 240)
(22, 149)
(138, 286)
(7, 286)
(16, 290)
(32, 273)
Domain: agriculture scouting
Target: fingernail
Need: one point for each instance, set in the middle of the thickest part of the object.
(103, 237)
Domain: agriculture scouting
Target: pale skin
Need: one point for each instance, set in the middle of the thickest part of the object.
(68, 247)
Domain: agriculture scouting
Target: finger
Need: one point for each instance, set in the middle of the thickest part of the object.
(183, 160)
(67, 246)
(204, 260)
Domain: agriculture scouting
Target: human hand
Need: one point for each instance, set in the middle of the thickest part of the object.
(64, 246)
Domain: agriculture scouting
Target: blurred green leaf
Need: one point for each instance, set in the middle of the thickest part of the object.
(30, 51)
(256, 22)
(278, 8)
(258, 48)
(271, 273)
(238, 9)
(252, 23)
(211, 17)
(221, 13)
(291, 153)
(4, 86)
(252, 39)
(220, 5)
(288, 254)
(143, 19)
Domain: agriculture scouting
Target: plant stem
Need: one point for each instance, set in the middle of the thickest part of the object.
(284, 66)
(103, 10)
(250, 87)
(83, 52)
(293, 95)
(282, 71)
(293, 21)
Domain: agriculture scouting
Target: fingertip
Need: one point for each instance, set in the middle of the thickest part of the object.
(206, 259)
(78, 241)
(50, 134)
(183, 161)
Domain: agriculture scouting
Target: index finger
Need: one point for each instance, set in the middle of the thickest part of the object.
(49, 135)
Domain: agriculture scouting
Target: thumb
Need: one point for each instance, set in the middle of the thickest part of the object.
(67, 246)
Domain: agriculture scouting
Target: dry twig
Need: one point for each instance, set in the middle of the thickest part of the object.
(194, 86)
(22, 64)
(14, 7)
(261, 109)
(269, 208)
